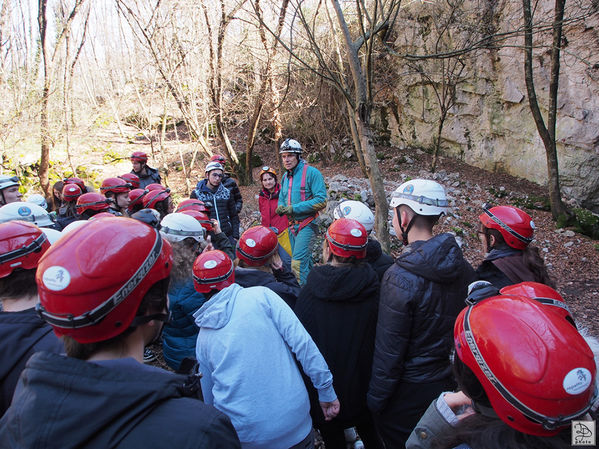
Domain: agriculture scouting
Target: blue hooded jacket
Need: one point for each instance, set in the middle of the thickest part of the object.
(247, 348)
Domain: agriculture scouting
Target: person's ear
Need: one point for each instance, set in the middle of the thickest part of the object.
(492, 240)
(405, 217)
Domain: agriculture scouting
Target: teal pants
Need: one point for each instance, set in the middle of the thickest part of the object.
(301, 251)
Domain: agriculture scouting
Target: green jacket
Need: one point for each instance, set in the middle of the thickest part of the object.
(316, 192)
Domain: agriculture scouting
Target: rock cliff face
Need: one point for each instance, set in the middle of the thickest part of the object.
(490, 124)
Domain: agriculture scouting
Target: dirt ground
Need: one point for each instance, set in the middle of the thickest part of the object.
(573, 259)
(575, 266)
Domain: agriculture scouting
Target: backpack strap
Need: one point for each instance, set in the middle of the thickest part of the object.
(303, 184)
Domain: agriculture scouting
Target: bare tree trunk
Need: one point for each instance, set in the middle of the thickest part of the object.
(361, 112)
(44, 121)
(357, 142)
(438, 140)
(376, 181)
(253, 129)
(277, 123)
(547, 133)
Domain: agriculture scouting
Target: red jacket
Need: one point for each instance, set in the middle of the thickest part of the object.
(267, 203)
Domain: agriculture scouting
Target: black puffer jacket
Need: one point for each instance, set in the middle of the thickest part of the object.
(338, 307)
(61, 402)
(230, 184)
(282, 282)
(378, 260)
(421, 296)
(222, 206)
(152, 176)
(22, 334)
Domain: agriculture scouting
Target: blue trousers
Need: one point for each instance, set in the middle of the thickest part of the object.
(301, 251)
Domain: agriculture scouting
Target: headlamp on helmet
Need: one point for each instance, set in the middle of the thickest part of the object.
(290, 146)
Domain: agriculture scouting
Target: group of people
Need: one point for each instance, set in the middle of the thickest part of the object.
(420, 352)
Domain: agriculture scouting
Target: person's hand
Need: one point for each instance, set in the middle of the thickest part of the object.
(330, 409)
(459, 403)
(284, 210)
(275, 262)
(209, 246)
(216, 226)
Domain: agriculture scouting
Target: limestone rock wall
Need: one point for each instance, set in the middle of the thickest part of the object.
(491, 125)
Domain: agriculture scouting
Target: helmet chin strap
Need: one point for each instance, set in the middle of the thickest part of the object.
(404, 232)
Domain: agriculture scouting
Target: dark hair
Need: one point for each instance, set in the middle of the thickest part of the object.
(89, 213)
(530, 256)
(68, 210)
(154, 302)
(162, 207)
(353, 260)
(488, 431)
(19, 284)
(485, 432)
(54, 201)
(271, 174)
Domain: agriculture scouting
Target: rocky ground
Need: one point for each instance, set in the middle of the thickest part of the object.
(573, 259)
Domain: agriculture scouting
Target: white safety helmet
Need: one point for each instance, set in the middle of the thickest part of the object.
(52, 234)
(355, 210)
(178, 226)
(7, 181)
(290, 146)
(29, 212)
(38, 199)
(214, 166)
(423, 196)
(73, 225)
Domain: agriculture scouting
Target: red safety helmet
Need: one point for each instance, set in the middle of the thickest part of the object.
(132, 179)
(537, 371)
(256, 245)
(201, 217)
(218, 158)
(347, 237)
(70, 192)
(92, 282)
(136, 197)
(115, 185)
(155, 196)
(213, 270)
(77, 181)
(515, 225)
(155, 186)
(103, 214)
(22, 245)
(92, 201)
(139, 156)
(193, 204)
(541, 293)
